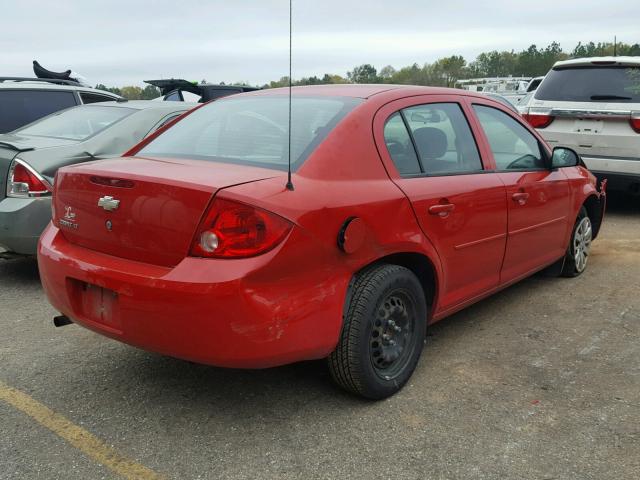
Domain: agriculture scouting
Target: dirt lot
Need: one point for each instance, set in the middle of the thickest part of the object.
(541, 381)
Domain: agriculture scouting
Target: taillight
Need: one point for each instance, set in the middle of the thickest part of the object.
(635, 121)
(236, 230)
(538, 119)
(23, 181)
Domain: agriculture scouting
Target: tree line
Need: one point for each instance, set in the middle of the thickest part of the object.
(530, 62)
(132, 92)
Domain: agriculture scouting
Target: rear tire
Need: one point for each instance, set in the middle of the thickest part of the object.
(577, 256)
(383, 332)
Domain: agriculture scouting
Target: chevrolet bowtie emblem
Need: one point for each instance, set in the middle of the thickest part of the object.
(108, 203)
(69, 214)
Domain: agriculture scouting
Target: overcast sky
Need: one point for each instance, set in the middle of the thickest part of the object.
(119, 42)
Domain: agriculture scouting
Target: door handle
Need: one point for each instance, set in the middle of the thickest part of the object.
(442, 209)
(520, 197)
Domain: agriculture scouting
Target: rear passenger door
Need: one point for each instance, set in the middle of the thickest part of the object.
(538, 197)
(431, 154)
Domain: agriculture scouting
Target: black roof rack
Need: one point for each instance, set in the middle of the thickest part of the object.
(56, 81)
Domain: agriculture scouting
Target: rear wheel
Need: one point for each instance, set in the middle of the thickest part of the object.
(577, 256)
(383, 332)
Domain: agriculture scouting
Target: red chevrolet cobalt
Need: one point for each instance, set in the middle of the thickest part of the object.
(406, 204)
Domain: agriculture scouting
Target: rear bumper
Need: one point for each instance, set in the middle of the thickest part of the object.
(620, 182)
(249, 313)
(618, 165)
(623, 174)
(22, 221)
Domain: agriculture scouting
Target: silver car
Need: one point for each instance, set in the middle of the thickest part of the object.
(31, 155)
(592, 105)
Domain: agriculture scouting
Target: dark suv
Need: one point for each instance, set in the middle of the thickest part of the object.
(25, 100)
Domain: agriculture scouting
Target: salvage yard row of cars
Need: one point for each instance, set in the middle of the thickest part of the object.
(225, 235)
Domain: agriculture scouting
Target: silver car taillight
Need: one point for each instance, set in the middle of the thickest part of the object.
(24, 181)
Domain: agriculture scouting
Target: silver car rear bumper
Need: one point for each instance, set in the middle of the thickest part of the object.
(22, 221)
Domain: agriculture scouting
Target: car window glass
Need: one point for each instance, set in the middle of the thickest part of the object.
(591, 84)
(77, 123)
(443, 138)
(253, 130)
(173, 96)
(513, 146)
(167, 120)
(399, 145)
(20, 107)
(94, 98)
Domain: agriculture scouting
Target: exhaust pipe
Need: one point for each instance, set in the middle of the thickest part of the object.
(61, 321)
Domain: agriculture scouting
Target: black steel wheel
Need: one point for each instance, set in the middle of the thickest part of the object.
(392, 334)
(383, 332)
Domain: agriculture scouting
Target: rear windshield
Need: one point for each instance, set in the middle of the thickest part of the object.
(77, 123)
(592, 84)
(253, 130)
(21, 106)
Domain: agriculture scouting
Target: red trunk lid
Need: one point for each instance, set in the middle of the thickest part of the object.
(139, 208)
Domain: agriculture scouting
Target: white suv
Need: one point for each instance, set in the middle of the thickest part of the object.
(592, 105)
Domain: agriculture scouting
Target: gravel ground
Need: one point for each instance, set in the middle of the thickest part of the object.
(541, 381)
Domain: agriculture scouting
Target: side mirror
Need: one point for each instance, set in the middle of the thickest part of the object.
(564, 157)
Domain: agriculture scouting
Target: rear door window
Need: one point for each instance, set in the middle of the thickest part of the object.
(399, 145)
(442, 138)
(20, 107)
(591, 84)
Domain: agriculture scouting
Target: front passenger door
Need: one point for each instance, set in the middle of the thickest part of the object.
(537, 197)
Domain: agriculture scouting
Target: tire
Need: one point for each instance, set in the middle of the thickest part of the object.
(577, 256)
(383, 332)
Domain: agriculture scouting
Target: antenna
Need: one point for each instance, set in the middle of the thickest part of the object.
(289, 182)
(615, 46)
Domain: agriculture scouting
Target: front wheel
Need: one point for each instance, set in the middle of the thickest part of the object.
(383, 332)
(577, 256)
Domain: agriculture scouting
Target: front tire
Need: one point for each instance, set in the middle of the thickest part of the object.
(577, 256)
(383, 332)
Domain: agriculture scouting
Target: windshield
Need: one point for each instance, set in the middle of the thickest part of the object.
(592, 84)
(253, 130)
(78, 123)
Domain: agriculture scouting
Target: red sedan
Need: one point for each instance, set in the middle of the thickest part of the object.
(408, 204)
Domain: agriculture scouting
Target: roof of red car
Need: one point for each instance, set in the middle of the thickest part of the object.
(359, 90)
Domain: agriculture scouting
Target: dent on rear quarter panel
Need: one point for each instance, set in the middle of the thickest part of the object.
(320, 208)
